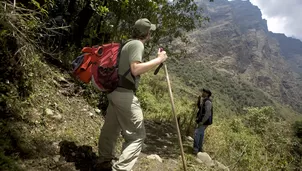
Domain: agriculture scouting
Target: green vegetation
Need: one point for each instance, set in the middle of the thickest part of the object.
(249, 131)
(257, 138)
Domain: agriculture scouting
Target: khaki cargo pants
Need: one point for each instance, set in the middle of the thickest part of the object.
(123, 114)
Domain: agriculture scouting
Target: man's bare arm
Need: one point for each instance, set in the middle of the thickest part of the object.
(138, 68)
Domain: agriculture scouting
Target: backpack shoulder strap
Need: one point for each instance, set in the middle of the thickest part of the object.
(122, 44)
(122, 77)
(126, 41)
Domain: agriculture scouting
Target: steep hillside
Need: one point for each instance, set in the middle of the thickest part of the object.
(236, 42)
(291, 49)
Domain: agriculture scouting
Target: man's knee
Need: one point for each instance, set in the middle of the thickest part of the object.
(138, 135)
(143, 136)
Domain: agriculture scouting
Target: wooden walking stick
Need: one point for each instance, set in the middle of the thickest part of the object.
(174, 113)
(175, 117)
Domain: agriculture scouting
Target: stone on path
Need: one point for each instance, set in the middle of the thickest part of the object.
(154, 157)
(190, 138)
(97, 110)
(205, 158)
(48, 111)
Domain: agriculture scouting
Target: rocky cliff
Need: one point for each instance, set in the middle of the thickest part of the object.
(291, 49)
(237, 43)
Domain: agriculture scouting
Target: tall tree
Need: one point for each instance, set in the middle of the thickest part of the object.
(81, 23)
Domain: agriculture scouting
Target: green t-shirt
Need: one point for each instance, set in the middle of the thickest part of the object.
(131, 52)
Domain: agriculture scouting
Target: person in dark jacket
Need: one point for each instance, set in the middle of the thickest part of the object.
(203, 119)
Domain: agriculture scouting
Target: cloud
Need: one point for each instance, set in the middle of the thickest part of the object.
(283, 16)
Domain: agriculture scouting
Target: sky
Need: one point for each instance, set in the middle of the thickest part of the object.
(283, 16)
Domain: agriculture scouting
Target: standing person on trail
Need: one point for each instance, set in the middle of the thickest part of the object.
(124, 114)
(203, 119)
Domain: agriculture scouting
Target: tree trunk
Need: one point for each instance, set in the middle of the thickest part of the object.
(71, 11)
(71, 7)
(81, 23)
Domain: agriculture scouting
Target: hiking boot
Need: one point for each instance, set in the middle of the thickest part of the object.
(194, 152)
(104, 165)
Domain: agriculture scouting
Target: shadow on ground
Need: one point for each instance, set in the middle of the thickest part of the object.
(162, 140)
(83, 157)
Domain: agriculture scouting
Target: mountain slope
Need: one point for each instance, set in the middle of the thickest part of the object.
(291, 49)
(237, 43)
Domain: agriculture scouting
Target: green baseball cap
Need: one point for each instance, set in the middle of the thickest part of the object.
(144, 25)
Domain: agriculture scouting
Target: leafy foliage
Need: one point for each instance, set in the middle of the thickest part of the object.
(247, 133)
(246, 147)
(257, 119)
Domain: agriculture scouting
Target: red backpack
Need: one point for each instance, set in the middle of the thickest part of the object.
(99, 64)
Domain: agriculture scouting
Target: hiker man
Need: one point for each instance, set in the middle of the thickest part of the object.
(124, 113)
(203, 119)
